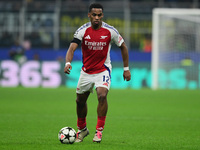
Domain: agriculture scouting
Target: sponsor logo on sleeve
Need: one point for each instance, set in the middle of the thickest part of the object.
(120, 39)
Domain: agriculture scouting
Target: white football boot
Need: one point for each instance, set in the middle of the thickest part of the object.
(80, 135)
(97, 137)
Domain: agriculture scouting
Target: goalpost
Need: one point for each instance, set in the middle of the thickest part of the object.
(176, 48)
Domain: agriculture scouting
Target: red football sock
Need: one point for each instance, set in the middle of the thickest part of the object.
(100, 123)
(81, 123)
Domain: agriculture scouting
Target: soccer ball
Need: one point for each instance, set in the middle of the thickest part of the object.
(67, 135)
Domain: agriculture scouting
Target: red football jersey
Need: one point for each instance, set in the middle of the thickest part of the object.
(96, 45)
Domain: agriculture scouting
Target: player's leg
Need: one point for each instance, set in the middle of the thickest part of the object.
(81, 109)
(102, 85)
(102, 109)
(84, 87)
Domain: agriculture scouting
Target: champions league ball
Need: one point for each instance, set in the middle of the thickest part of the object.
(67, 135)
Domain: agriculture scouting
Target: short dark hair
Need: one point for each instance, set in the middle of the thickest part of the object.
(95, 5)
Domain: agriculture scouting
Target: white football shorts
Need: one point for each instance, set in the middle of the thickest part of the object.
(88, 81)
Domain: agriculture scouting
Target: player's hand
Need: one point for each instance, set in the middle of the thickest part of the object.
(127, 75)
(67, 69)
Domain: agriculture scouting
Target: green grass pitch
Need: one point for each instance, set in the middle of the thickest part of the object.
(30, 118)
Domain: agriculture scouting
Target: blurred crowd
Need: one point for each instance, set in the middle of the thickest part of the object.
(37, 22)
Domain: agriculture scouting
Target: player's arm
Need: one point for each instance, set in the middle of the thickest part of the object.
(125, 57)
(69, 56)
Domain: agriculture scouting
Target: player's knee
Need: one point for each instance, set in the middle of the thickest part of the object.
(102, 97)
(80, 102)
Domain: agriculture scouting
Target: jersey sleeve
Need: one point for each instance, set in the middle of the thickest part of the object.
(117, 38)
(79, 34)
(81, 31)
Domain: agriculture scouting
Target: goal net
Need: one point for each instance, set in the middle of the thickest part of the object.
(176, 48)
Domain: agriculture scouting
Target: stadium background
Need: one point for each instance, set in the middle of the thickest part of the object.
(44, 28)
(138, 117)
